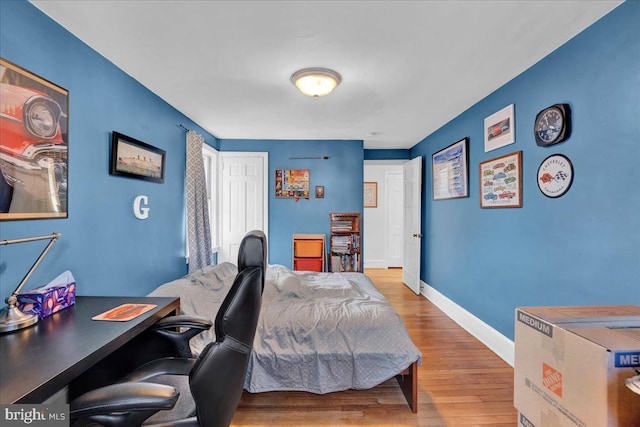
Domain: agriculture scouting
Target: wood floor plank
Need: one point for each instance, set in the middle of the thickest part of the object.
(461, 382)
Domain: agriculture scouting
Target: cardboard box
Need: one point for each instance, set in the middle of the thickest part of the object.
(58, 294)
(571, 364)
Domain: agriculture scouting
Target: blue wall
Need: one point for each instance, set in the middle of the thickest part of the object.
(341, 175)
(108, 250)
(583, 248)
(395, 154)
(580, 249)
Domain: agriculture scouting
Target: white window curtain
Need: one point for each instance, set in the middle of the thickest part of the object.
(198, 227)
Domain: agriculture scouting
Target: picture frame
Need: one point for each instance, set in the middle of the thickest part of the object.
(292, 183)
(501, 181)
(34, 121)
(450, 171)
(132, 158)
(319, 191)
(370, 194)
(500, 128)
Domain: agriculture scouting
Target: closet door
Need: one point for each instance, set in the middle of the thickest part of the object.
(244, 199)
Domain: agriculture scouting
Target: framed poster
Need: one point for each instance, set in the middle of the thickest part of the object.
(292, 183)
(500, 129)
(370, 195)
(501, 182)
(450, 171)
(136, 159)
(34, 143)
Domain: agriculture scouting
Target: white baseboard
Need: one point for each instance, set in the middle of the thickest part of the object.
(498, 343)
(375, 263)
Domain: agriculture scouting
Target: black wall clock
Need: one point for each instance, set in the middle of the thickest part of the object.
(553, 125)
(555, 175)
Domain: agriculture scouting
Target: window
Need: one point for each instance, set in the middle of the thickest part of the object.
(210, 157)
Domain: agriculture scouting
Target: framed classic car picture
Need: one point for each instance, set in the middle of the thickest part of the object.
(34, 143)
(501, 182)
(500, 128)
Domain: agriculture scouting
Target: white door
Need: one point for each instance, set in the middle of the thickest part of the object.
(395, 217)
(412, 218)
(245, 198)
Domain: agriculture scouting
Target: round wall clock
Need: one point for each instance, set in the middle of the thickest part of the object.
(555, 175)
(553, 125)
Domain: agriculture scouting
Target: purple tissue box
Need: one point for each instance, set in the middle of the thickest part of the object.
(60, 293)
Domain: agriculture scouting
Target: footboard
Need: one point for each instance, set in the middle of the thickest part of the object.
(408, 381)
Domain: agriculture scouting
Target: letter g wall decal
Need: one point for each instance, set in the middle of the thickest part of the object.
(139, 211)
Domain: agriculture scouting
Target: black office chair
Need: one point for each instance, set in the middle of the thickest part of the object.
(216, 377)
(179, 330)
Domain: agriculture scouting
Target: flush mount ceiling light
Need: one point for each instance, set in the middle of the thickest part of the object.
(315, 82)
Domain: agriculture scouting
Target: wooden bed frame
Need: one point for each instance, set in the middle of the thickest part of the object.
(408, 381)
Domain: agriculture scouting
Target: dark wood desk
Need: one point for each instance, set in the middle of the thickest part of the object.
(39, 361)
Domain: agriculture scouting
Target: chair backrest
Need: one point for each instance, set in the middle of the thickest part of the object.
(253, 251)
(217, 377)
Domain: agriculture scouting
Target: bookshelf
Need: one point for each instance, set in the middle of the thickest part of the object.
(308, 252)
(345, 242)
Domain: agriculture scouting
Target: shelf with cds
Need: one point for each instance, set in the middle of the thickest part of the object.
(345, 242)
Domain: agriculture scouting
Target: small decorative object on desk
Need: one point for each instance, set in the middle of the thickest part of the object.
(124, 312)
(56, 295)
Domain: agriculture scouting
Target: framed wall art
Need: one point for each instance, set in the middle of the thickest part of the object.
(319, 191)
(136, 159)
(370, 194)
(501, 182)
(450, 171)
(555, 175)
(500, 129)
(292, 183)
(34, 143)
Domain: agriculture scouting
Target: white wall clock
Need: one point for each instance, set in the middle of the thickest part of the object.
(555, 175)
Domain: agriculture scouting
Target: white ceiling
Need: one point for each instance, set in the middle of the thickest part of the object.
(408, 67)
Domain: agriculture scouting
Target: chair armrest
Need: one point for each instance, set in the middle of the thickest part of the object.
(168, 328)
(164, 366)
(183, 321)
(124, 403)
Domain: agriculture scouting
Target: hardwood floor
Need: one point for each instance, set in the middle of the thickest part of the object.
(461, 382)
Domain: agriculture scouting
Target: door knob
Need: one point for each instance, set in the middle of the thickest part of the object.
(418, 236)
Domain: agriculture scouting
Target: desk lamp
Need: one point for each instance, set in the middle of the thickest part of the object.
(11, 318)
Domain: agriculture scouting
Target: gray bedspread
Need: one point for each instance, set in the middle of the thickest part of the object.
(317, 332)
